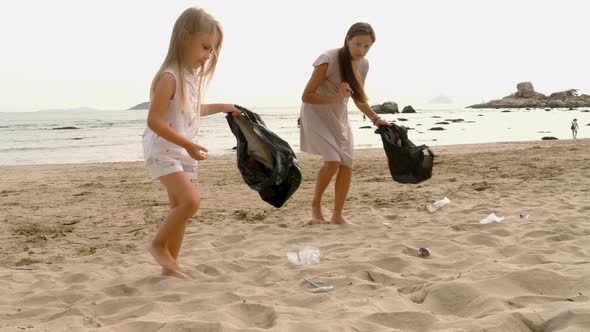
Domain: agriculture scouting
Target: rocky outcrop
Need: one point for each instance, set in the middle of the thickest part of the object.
(386, 108)
(408, 109)
(527, 97)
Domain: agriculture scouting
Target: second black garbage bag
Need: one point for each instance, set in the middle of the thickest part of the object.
(267, 162)
(408, 163)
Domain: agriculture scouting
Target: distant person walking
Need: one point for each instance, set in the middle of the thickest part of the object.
(575, 128)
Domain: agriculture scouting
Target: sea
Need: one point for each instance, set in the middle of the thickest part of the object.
(93, 136)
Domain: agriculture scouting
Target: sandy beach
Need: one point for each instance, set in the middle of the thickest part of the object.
(73, 244)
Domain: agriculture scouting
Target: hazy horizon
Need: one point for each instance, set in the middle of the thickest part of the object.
(452, 54)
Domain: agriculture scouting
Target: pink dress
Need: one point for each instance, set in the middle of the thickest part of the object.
(325, 129)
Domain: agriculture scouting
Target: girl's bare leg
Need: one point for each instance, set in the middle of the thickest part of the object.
(342, 186)
(166, 244)
(325, 175)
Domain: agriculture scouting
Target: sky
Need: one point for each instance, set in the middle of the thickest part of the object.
(428, 53)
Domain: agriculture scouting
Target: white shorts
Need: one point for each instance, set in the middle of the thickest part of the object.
(164, 165)
(163, 157)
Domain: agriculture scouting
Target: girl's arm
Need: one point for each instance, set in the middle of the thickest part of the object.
(156, 121)
(310, 97)
(209, 109)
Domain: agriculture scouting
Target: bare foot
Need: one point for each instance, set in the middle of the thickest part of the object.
(163, 257)
(315, 222)
(175, 273)
(316, 215)
(340, 221)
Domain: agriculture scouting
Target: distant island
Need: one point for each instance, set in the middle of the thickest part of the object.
(142, 106)
(527, 97)
(441, 100)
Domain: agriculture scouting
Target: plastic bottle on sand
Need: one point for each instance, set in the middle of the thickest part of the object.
(437, 205)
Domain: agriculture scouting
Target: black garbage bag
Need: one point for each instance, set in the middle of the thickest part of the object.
(267, 162)
(408, 163)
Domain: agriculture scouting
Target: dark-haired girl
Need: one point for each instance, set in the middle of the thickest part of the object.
(338, 75)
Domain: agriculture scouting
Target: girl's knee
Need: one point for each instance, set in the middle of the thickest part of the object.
(192, 204)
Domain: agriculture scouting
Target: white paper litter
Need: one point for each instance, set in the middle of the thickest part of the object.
(491, 218)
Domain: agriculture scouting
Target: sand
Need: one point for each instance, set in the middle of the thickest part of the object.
(73, 248)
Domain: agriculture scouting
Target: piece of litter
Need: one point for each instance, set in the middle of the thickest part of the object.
(437, 205)
(524, 216)
(323, 288)
(304, 255)
(423, 252)
(491, 218)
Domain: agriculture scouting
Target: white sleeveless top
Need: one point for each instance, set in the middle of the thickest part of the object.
(185, 123)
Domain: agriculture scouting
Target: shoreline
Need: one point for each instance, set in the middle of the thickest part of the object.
(435, 147)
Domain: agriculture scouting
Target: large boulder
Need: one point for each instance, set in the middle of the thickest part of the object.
(564, 95)
(525, 90)
(389, 107)
(408, 109)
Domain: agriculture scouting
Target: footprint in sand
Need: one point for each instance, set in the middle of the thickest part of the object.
(208, 270)
(120, 290)
(228, 239)
(255, 315)
(404, 321)
(391, 217)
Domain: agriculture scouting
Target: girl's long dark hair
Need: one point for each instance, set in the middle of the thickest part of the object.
(346, 70)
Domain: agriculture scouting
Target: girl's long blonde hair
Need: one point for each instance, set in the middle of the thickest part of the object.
(192, 21)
